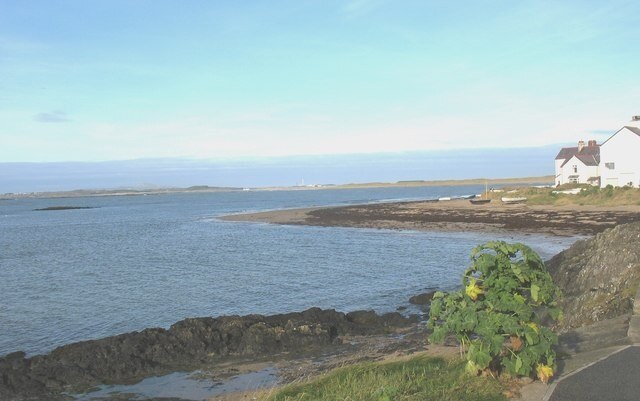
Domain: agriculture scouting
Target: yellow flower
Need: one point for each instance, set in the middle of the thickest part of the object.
(544, 372)
(534, 327)
(473, 290)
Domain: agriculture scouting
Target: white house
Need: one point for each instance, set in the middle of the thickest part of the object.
(578, 164)
(620, 158)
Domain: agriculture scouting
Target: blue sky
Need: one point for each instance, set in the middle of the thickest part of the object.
(116, 80)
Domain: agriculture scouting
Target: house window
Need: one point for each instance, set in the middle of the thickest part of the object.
(610, 166)
(573, 180)
(575, 169)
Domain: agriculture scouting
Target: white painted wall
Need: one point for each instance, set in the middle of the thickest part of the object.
(559, 176)
(622, 149)
(584, 172)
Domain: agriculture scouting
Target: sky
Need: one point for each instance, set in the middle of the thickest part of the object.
(223, 80)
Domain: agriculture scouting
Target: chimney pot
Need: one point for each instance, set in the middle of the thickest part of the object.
(580, 145)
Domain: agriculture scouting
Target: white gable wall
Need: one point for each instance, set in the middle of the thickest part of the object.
(559, 177)
(623, 150)
(576, 167)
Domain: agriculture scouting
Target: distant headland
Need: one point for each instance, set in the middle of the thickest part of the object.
(78, 193)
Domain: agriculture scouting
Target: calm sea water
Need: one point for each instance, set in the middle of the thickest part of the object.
(149, 261)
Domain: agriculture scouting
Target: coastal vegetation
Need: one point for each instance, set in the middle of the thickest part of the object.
(417, 378)
(497, 317)
(586, 195)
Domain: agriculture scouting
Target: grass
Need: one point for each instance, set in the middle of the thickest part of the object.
(418, 378)
(589, 196)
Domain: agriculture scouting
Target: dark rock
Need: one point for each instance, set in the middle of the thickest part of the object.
(599, 277)
(422, 299)
(187, 345)
(55, 208)
(395, 319)
(363, 318)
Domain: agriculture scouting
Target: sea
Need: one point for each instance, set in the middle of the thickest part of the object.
(127, 263)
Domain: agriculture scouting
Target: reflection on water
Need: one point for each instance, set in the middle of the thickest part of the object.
(186, 386)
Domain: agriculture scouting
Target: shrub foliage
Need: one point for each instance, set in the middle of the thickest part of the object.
(497, 316)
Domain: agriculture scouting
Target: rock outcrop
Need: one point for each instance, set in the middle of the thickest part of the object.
(599, 276)
(187, 345)
(422, 299)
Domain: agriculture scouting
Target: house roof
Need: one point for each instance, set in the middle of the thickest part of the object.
(635, 130)
(588, 155)
(589, 159)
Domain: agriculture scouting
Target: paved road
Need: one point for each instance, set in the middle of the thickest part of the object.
(616, 378)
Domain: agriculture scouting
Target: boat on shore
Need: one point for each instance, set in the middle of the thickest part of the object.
(479, 200)
(513, 201)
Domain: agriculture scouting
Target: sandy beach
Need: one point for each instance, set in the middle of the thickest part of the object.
(455, 215)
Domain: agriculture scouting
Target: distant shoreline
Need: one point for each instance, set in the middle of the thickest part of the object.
(82, 193)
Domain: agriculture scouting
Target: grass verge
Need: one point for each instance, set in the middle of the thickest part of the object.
(418, 378)
(589, 196)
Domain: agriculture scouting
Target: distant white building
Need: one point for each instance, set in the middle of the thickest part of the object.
(620, 157)
(578, 164)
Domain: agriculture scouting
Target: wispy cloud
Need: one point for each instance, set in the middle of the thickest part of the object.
(55, 116)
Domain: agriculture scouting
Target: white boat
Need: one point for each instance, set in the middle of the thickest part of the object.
(511, 201)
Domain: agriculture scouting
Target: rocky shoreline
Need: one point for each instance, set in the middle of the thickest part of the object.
(455, 215)
(188, 345)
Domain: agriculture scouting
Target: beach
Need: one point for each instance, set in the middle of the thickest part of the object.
(455, 215)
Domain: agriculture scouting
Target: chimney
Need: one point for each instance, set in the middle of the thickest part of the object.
(592, 143)
(580, 146)
(635, 118)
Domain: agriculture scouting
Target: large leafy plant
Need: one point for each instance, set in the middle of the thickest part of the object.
(497, 316)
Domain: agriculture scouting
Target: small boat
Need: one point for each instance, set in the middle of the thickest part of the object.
(513, 201)
(481, 201)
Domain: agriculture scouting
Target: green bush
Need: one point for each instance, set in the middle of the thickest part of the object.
(608, 191)
(497, 316)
